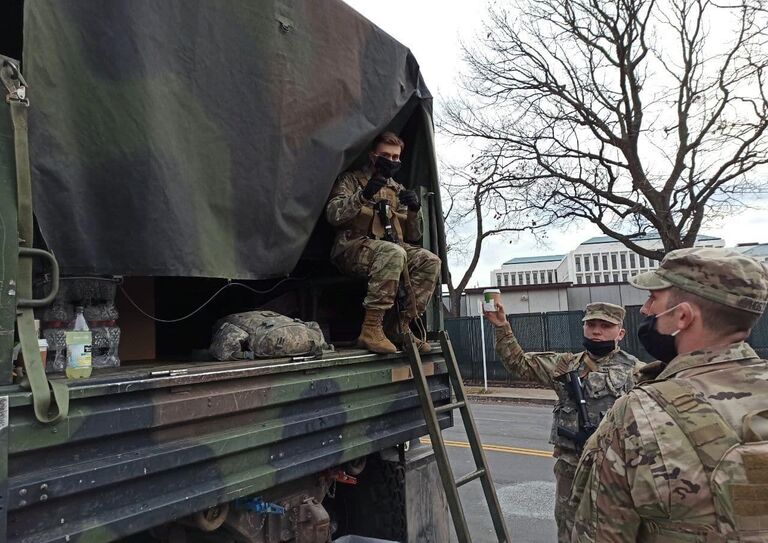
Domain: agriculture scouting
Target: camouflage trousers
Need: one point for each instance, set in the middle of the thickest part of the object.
(565, 512)
(382, 262)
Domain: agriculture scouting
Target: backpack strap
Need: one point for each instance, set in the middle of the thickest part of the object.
(710, 435)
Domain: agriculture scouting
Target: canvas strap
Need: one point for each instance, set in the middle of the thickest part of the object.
(50, 399)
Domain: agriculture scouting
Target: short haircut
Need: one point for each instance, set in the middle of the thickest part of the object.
(716, 317)
(389, 138)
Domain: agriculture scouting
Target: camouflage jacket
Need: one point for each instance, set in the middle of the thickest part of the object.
(639, 478)
(346, 202)
(604, 380)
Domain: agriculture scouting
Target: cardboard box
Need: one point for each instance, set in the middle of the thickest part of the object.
(137, 332)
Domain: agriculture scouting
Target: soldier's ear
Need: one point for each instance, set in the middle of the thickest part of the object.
(622, 333)
(687, 313)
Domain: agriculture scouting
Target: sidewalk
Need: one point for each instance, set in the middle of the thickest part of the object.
(541, 396)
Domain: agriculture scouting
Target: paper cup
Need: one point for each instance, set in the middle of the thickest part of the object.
(491, 296)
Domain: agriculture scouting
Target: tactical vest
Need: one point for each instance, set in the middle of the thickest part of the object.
(602, 387)
(737, 471)
(368, 224)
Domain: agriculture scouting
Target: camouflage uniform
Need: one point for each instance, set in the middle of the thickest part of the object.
(356, 253)
(644, 478)
(605, 379)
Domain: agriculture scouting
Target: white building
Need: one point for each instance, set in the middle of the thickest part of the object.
(602, 259)
(599, 260)
(597, 270)
(528, 270)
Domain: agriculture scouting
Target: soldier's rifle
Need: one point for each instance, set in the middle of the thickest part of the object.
(573, 385)
(382, 209)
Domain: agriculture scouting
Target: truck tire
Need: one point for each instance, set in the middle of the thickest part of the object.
(375, 506)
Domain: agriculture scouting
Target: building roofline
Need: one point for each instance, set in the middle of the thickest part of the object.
(534, 259)
(650, 237)
(518, 288)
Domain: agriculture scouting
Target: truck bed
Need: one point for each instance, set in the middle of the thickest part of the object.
(149, 443)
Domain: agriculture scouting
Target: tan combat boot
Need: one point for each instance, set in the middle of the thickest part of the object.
(372, 335)
(405, 327)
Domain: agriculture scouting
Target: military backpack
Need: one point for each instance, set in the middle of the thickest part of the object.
(265, 334)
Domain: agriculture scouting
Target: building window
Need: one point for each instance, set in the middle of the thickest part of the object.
(605, 262)
(623, 258)
(614, 265)
(527, 278)
(512, 279)
(498, 279)
(542, 277)
(589, 279)
(549, 276)
(578, 263)
(579, 279)
(615, 277)
(506, 279)
(520, 278)
(624, 276)
(632, 260)
(596, 261)
(606, 278)
(642, 261)
(586, 263)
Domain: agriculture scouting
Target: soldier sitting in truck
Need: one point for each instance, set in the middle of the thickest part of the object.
(607, 373)
(364, 246)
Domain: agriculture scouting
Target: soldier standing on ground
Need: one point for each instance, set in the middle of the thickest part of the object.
(685, 458)
(606, 371)
(359, 248)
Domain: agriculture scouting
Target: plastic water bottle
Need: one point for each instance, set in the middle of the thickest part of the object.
(79, 340)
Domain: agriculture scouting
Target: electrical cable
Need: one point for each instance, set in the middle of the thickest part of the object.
(209, 300)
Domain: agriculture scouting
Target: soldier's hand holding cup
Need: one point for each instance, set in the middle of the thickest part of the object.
(498, 317)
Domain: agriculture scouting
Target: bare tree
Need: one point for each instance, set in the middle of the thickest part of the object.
(639, 116)
(483, 201)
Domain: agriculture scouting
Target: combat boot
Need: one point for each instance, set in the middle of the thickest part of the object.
(405, 328)
(372, 335)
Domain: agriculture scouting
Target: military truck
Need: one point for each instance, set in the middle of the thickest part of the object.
(181, 153)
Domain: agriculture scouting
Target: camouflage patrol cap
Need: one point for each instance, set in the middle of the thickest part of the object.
(719, 275)
(605, 312)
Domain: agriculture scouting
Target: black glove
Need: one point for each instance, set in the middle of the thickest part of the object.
(373, 186)
(409, 199)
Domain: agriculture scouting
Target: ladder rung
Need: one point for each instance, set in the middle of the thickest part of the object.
(461, 481)
(449, 407)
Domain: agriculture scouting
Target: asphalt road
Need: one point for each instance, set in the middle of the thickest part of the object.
(516, 441)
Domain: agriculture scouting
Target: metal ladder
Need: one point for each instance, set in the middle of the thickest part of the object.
(482, 471)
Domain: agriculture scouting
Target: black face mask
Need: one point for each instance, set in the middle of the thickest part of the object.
(660, 346)
(386, 167)
(597, 348)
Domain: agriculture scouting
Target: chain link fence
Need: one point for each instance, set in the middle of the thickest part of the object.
(559, 331)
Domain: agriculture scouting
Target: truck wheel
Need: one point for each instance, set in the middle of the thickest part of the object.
(376, 505)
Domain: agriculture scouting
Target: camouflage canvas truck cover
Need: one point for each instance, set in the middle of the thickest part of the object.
(182, 151)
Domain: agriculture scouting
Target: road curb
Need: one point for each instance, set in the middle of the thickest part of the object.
(489, 398)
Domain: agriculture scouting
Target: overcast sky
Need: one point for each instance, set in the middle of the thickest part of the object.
(434, 31)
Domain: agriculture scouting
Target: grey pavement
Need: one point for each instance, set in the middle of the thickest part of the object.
(516, 439)
(543, 396)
